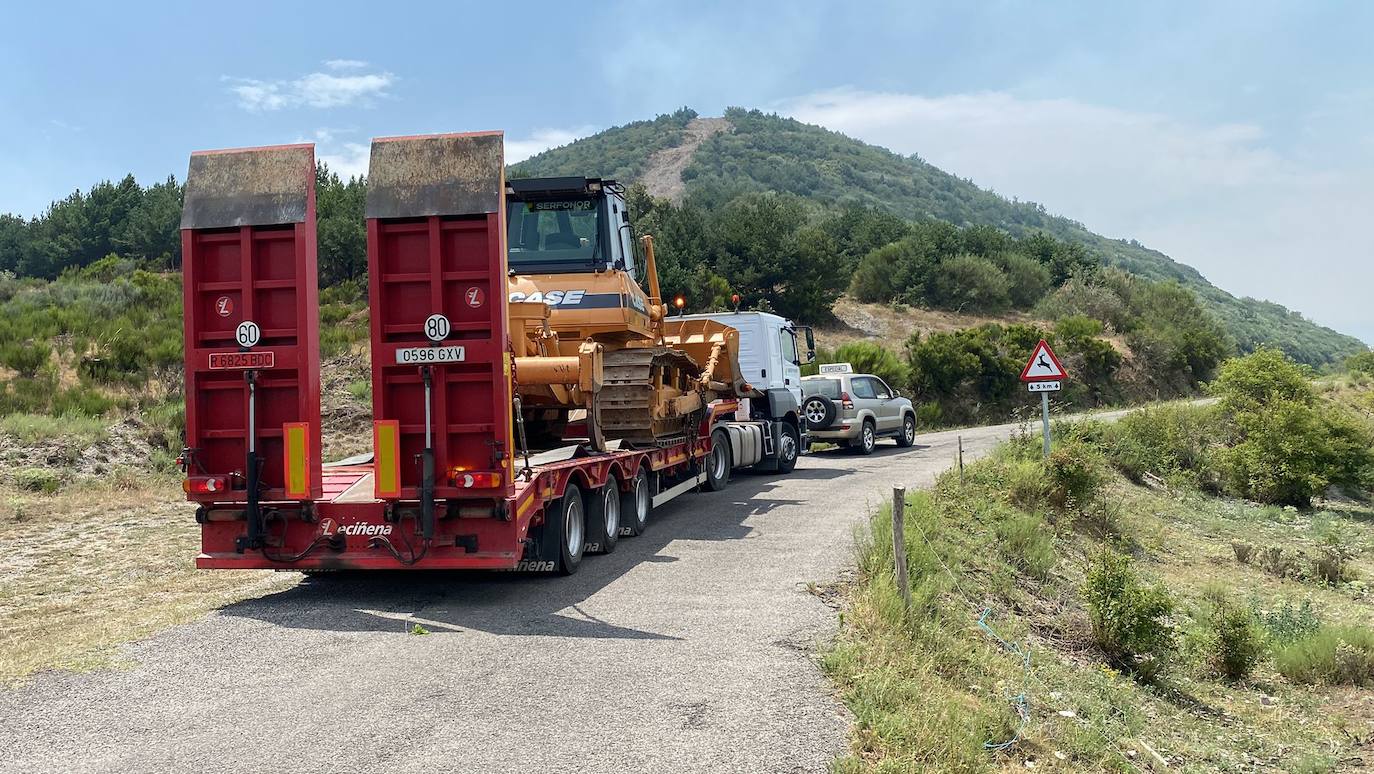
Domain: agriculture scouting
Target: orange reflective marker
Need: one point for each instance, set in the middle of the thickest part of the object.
(297, 459)
(386, 453)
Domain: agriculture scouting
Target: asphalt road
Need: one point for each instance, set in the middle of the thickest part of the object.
(691, 648)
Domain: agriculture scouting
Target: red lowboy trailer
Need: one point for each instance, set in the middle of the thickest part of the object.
(447, 486)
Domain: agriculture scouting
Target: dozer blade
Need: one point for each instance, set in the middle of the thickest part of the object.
(249, 187)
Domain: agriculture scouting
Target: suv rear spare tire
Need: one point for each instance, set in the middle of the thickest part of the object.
(820, 412)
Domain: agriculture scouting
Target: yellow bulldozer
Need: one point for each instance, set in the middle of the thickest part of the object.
(593, 352)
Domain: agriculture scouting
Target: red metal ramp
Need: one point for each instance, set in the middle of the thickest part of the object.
(436, 252)
(251, 322)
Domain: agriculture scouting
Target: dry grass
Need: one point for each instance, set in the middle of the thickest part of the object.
(99, 565)
(892, 326)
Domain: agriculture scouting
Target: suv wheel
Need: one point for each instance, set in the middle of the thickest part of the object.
(907, 437)
(868, 438)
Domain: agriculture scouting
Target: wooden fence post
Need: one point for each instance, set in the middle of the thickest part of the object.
(899, 543)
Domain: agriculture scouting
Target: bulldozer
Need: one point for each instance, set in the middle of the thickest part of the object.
(577, 307)
(595, 358)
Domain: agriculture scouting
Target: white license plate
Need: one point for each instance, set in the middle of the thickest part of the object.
(422, 355)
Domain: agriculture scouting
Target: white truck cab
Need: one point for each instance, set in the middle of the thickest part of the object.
(771, 353)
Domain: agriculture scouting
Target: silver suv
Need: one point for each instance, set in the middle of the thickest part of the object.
(855, 410)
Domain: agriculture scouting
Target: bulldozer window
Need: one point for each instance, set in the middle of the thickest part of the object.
(555, 234)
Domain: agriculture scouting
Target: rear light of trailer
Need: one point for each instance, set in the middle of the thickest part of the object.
(846, 401)
(205, 485)
(474, 479)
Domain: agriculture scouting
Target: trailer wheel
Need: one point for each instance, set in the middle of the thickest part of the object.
(569, 528)
(635, 505)
(718, 462)
(603, 518)
(789, 447)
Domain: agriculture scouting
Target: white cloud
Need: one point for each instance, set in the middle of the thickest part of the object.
(1221, 198)
(345, 158)
(541, 140)
(317, 90)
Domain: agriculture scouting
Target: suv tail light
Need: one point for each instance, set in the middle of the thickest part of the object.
(846, 401)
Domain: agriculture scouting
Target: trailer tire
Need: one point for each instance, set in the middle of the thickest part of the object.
(569, 528)
(635, 505)
(603, 518)
(718, 462)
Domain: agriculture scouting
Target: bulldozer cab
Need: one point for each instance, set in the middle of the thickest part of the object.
(568, 225)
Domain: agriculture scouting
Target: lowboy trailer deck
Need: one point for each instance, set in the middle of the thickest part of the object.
(451, 482)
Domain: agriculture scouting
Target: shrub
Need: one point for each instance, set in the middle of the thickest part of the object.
(968, 283)
(1131, 620)
(1280, 563)
(1237, 639)
(1285, 447)
(1074, 473)
(1028, 279)
(1172, 441)
(1243, 551)
(1334, 655)
(1286, 624)
(1027, 544)
(1026, 486)
(1361, 362)
(37, 480)
(26, 359)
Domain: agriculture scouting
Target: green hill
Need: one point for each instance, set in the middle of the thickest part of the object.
(762, 152)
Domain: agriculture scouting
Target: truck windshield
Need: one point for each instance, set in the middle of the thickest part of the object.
(553, 235)
(830, 388)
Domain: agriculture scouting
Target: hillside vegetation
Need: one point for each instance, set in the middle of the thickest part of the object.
(1116, 607)
(833, 172)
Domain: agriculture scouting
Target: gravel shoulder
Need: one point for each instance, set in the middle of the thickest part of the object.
(690, 648)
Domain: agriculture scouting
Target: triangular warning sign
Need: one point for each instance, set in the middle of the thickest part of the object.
(1043, 365)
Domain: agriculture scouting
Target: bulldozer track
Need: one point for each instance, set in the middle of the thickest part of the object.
(627, 398)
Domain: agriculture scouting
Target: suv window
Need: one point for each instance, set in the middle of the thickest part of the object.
(789, 347)
(830, 388)
(880, 386)
(863, 387)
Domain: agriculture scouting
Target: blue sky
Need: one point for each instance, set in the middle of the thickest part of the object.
(1233, 136)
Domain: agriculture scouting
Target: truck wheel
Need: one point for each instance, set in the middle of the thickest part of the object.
(789, 447)
(635, 505)
(819, 411)
(603, 518)
(569, 528)
(907, 438)
(868, 438)
(718, 462)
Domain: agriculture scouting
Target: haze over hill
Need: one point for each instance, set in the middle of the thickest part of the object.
(751, 151)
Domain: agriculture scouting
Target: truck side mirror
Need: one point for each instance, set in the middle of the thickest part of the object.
(810, 344)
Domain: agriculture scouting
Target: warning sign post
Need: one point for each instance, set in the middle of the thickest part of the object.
(1044, 374)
